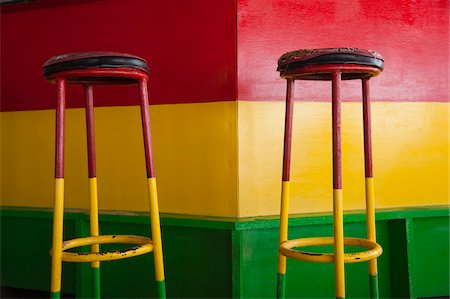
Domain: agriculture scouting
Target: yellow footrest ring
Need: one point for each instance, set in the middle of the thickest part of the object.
(145, 245)
(374, 250)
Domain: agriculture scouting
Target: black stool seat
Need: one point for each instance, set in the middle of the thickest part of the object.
(92, 60)
(296, 60)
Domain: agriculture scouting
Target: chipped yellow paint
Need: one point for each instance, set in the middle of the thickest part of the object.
(374, 250)
(144, 246)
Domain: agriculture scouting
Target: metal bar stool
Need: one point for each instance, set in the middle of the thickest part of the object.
(334, 64)
(88, 69)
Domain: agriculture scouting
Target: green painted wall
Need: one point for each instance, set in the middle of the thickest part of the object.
(222, 258)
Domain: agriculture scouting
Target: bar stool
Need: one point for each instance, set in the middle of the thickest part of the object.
(88, 69)
(332, 64)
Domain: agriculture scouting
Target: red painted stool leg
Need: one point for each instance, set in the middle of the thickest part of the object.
(153, 197)
(338, 206)
(285, 188)
(58, 207)
(93, 194)
(370, 200)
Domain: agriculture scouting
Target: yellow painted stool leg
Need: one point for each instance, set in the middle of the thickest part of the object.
(371, 235)
(284, 218)
(57, 238)
(339, 271)
(94, 229)
(156, 230)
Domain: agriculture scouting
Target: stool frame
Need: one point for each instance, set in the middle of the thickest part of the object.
(88, 77)
(334, 73)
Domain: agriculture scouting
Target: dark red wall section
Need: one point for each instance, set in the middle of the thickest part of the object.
(190, 46)
(413, 37)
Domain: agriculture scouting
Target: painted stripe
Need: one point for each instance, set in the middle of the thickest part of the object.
(95, 272)
(148, 148)
(93, 216)
(57, 236)
(370, 220)
(90, 130)
(193, 140)
(336, 125)
(156, 230)
(284, 221)
(374, 288)
(60, 122)
(195, 148)
(367, 128)
(161, 289)
(338, 215)
(288, 129)
(404, 155)
(55, 295)
(281, 286)
(370, 209)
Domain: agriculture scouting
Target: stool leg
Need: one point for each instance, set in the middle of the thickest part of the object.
(370, 204)
(337, 188)
(154, 210)
(58, 207)
(285, 188)
(93, 194)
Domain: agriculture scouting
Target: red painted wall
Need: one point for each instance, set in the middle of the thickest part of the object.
(413, 37)
(190, 46)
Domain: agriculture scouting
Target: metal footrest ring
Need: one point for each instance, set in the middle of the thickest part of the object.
(374, 250)
(145, 245)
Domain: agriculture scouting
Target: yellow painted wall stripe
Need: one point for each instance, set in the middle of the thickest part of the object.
(410, 148)
(195, 150)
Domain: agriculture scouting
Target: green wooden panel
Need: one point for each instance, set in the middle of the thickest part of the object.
(197, 264)
(398, 259)
(25, 259)
(430, 243)
(304, 279)
(219, 258)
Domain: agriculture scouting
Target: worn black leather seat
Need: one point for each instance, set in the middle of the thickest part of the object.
(89, 60)
(296, 60)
